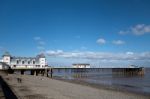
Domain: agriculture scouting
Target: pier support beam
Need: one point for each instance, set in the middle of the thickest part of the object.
(51, 73)
(42, 72)
(32, 72)
(128, 71)
(37, 72)
(46, 73)
(22, 72)
(141, 71)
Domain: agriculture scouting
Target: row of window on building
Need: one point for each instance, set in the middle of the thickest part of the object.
(23, 62)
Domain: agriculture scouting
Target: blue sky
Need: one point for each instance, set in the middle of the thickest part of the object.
(99, 32)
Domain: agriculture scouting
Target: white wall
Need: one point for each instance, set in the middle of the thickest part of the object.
(6, 59)
(0, 66)
(42, 61)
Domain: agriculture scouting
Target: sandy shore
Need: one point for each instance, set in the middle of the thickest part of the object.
(38, 87)
(1, 93)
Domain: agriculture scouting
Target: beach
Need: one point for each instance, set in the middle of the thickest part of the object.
(40, 87)
(1, 93)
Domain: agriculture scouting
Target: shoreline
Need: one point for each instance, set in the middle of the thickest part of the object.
(39, 87)
(105, 87)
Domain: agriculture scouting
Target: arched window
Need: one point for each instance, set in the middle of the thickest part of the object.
(33, 62)
(17, 61)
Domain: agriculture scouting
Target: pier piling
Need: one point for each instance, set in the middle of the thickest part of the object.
(128, 71)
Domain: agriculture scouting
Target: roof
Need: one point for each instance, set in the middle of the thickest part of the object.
(23, 57)
(41, 55)
(6, 54)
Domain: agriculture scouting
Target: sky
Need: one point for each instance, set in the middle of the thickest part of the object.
(104, 33)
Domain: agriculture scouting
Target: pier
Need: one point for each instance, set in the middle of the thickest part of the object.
(139, 71)
(48, 72)
(128, 71)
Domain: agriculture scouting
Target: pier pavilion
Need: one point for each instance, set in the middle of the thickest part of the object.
(35, 65)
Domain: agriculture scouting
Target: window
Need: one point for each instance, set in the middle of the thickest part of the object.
(22, 62)
(28, 62)
(33, 62)
(17, 61)
(37, 65)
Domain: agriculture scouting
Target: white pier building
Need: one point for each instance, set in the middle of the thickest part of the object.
(24, 62)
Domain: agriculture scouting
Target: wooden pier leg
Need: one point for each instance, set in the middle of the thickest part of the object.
(46, 73)
(37, 72)
(34, 73)
(51, 72)
(22, 72)
(42, 72)
(141, 71)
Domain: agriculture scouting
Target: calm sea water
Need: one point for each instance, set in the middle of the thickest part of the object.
(106, 77)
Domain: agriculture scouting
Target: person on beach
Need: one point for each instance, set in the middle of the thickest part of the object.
(19, 80)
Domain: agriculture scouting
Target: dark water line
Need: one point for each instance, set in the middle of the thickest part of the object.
(7, 90)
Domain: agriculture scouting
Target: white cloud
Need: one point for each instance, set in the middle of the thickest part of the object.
(123, 32)
(98, 59)
(59, 51)
(100, 55)
(40, 48)
(83, 48)
(37, 38)
(139, 29)
(41, 43)
(101, 41)
(118, 42)
(54, 53)
(129, 53)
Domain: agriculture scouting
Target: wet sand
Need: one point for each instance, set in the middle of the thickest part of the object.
(39, 87)
(104, 87)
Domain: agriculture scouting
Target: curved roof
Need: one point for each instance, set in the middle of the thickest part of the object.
(6, 54)
(41, 55)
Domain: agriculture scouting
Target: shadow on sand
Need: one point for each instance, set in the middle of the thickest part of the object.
(7, 90)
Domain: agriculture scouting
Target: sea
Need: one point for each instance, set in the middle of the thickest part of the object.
(105, 77)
